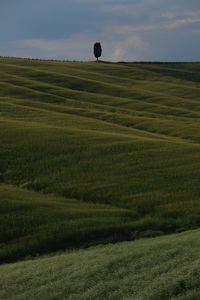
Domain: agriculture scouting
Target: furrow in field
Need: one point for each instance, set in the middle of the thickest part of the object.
(136, 124)
(104, 88)
(129, 105)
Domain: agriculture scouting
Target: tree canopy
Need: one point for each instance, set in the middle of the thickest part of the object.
(97, 50)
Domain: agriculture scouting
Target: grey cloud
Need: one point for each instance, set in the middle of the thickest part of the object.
(183, 22)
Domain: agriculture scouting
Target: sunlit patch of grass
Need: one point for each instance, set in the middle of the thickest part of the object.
(160, 268)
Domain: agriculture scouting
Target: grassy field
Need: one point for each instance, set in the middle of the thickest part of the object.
(32, 223)
(117, 141)
(148, 269)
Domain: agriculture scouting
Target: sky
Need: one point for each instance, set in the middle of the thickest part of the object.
(129, 30)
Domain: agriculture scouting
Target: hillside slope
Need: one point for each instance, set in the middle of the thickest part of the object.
(124, 135)
(32, 223)
(150, 269)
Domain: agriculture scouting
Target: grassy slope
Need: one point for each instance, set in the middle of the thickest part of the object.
(32, 223)
(124, 135)
(150, 269)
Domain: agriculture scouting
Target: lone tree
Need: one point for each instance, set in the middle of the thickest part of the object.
(97, 50)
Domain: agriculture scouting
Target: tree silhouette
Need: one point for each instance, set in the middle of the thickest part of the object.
(97, 50)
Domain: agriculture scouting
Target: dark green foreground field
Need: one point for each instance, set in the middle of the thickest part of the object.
(164, 268)
(92, 153)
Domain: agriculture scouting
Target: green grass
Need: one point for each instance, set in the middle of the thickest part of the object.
(119, 137)
(32, 223)
(148, 269)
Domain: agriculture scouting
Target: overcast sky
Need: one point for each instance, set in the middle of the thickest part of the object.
(129, 30)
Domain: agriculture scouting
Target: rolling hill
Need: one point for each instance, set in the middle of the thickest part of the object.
(92, 153)
(162, 268)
